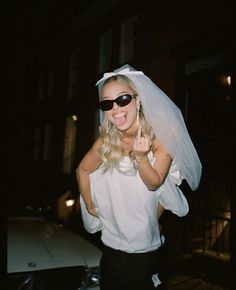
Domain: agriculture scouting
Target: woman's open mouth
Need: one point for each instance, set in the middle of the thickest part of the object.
(119, 119)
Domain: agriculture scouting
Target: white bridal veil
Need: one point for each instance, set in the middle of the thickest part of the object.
(167, 122)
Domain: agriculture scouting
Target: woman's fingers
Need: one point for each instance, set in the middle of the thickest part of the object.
(91, 209)
(142, 144)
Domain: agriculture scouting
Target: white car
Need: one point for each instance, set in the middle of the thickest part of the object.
(44, 255)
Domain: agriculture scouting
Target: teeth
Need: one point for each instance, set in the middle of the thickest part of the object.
(119, 115)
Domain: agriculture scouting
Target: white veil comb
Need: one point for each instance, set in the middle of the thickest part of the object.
(167, 122)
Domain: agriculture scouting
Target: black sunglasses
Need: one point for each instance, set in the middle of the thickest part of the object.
(121, 101)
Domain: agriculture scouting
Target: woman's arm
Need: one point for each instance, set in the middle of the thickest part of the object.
(152, 175)
(88, 164)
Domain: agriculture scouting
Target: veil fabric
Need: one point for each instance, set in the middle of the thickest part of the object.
(167, 122)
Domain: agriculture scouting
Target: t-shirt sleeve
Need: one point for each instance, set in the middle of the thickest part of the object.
(170, 195)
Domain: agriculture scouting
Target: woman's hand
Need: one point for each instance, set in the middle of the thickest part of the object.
(141, 147)
(91, 209)
(153, 175)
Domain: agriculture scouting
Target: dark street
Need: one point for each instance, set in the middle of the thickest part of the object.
(201, 272)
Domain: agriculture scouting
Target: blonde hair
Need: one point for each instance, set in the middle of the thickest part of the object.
(111, 149)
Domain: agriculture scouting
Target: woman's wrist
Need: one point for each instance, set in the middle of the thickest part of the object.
(141, 162)
(89, 205)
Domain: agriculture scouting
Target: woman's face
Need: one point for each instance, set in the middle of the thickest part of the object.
(124, 118)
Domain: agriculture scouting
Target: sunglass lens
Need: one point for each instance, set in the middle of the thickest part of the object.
(106, 105)
(123, 100)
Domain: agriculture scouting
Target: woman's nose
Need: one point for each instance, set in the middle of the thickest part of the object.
(115, 106)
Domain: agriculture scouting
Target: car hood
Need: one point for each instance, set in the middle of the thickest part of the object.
(37, 244)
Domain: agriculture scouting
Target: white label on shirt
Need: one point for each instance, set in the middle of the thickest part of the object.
(156, 280)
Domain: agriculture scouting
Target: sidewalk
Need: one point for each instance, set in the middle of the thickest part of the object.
(200, 271)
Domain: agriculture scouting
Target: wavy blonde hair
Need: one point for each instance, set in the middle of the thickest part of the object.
(111, 149)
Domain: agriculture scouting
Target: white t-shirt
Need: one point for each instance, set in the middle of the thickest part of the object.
(127, 210)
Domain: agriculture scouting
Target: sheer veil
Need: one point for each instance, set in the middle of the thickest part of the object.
(167, 122)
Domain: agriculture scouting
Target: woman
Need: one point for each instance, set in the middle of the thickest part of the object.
(131, 173)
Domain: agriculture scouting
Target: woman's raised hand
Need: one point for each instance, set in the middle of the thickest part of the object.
(142, 144)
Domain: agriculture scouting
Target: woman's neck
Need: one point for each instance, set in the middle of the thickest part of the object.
(131, 132)
(128, 135)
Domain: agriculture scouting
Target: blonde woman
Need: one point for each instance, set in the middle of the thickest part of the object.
(131, 173)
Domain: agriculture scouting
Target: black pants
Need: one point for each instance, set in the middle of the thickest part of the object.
(129, 271)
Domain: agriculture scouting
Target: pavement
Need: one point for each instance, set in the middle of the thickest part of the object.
(199, 271)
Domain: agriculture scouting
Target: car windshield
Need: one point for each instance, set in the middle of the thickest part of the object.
(21, 203)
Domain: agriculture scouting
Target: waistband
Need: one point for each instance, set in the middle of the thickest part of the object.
(110, 250)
